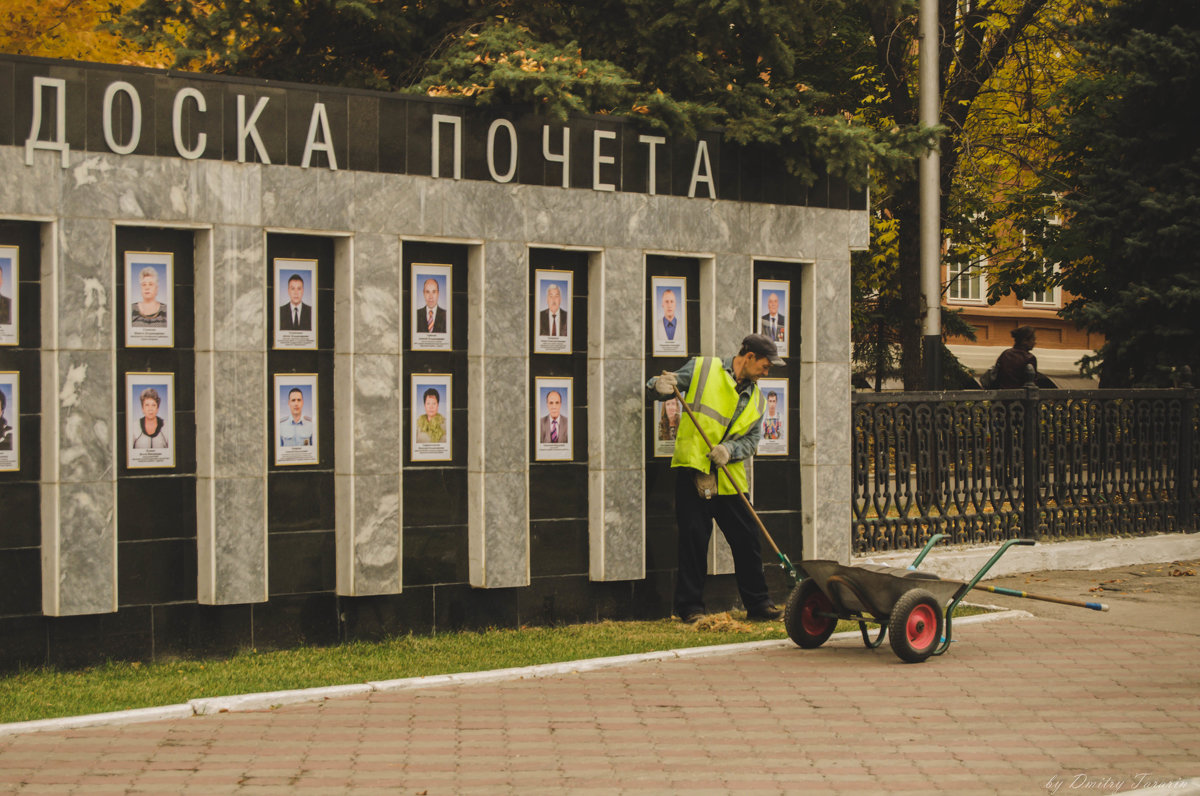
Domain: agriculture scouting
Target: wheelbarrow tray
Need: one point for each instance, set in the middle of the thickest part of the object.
(874, 589)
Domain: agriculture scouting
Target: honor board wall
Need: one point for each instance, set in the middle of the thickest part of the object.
(373, 514)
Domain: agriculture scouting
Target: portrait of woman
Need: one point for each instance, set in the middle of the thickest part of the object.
(148, 427)
(150, 432)
(149, 280)
(431, 426)
(149, 311)
(430, 429)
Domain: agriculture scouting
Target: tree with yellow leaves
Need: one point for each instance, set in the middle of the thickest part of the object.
(73, 29)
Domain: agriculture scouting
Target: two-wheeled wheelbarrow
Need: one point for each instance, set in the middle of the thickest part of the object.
(911, 607)
(905, 602)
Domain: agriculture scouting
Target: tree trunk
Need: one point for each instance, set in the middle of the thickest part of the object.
(907, 214)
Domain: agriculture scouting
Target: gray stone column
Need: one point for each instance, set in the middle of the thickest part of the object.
(498, 406)
(231, 416)
(616, 442)
(726, 308)
(78, 442)
(825, 409)
(367, 390)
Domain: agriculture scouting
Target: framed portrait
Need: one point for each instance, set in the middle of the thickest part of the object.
(149, 299)
(552, 294)
(669, 315)
(667, 415)
(9, 307)
(774, 440)
(295, 303)
(772, 312)
(10, 421)
(150, 420)
(431, 321)
(295, 431)
(431, 417)
(553, 433)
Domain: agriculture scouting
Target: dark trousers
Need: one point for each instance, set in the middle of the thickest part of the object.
(694, 516)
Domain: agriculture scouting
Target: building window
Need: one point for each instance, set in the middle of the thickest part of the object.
(1044, 298)
(966, 283)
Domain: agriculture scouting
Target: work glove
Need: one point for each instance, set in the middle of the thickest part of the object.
(665, 384)
(719, 455)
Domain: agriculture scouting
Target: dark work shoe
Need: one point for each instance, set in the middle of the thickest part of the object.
(764, 613)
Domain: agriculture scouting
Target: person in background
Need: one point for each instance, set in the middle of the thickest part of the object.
(1010, 365)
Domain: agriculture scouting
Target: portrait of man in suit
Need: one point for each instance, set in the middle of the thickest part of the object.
(554, 423)
(773, 324)
(431, 317)
(295, 315)
(552, 321)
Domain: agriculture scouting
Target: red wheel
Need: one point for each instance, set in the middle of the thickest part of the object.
(915, 625)
(809, 617)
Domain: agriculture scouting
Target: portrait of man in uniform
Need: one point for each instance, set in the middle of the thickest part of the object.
(295, 431)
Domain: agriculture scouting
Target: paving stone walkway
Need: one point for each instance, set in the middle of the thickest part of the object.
(1018, 706)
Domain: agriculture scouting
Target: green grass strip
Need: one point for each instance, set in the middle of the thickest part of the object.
(52, 693)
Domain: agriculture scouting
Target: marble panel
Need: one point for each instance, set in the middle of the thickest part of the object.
(502, 437)
(830, 233)
(228, 193)
(399, 205)
(499, 530)
(720, 557)
(86, 437)
(505, 320)
(831, 413)
(622, 383)
(617, 524)
(79, 567)
(232, 538)
(858, 233)
(734, 302)
(369, 534)
(484, 210)
(238, 382)
(34, 190)
(574, 217)
(376, 294)
(831, 536)
(668, 223)
(85, 289)
(239, 299)
(618, 331)
(112, 186)
(832, 285)
(809, 403)
(376, 432)
(314, 198)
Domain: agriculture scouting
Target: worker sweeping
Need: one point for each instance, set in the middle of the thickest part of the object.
(725, 400)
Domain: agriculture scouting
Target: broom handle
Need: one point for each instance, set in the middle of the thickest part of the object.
(725, 470)
(1028, 596)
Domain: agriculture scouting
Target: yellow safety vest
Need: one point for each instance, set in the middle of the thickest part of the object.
(713, 398)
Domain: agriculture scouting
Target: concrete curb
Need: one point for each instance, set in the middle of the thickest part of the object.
(273, 699)
(959, 563)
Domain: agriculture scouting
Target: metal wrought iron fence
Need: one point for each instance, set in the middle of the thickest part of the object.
(984, 466)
